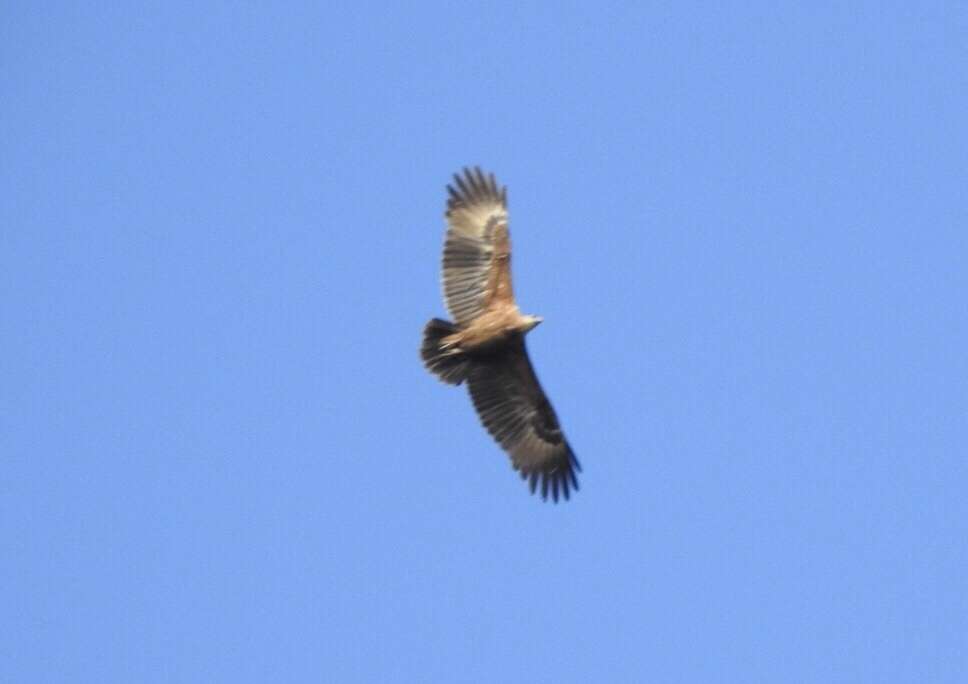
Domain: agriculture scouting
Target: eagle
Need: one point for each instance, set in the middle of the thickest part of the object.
(484, 346)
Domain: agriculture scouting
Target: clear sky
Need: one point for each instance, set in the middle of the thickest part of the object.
(220, 235)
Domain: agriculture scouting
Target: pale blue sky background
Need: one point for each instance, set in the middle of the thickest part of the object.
(219, 241)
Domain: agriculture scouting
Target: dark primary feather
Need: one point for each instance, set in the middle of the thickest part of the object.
(515, 410)
(475, 188)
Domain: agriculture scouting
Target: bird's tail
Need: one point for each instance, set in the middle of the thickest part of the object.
(450, 365)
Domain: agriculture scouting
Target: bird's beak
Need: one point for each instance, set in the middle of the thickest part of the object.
(535, 320)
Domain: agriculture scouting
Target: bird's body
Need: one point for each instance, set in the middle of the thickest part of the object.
(485, 346)
(489, 329)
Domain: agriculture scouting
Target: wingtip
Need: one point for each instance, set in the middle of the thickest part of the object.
(559, 483)
(470, 185)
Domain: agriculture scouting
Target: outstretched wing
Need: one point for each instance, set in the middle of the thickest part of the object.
(515, 410)
(477, 250)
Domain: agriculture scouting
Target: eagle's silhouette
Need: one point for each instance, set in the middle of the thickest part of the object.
(485, 345)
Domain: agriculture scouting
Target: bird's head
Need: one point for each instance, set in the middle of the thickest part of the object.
(531, 322)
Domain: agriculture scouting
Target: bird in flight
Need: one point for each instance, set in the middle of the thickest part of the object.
(484, 346)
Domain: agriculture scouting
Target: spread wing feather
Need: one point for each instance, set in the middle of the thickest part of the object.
(476, 245)
(515, 410)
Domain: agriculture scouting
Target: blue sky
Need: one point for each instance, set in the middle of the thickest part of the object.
(220, 233)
